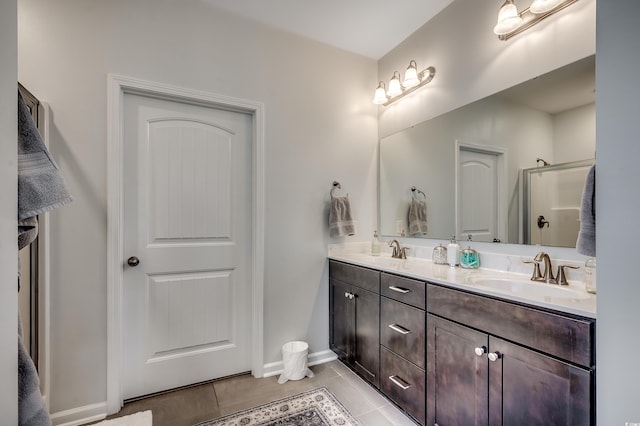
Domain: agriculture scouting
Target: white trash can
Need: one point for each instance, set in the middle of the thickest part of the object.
(294, 357)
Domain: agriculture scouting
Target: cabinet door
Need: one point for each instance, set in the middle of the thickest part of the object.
(457, 376)
(367, 335)
(341, 319)
(527, 387)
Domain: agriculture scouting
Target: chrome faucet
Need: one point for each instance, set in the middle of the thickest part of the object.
(398, 252)
(547, 275)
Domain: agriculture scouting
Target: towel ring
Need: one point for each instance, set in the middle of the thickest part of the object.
(336, 185)
(414, 190)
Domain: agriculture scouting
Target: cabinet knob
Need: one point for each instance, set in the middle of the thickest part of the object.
(481, 350)
(494, 356)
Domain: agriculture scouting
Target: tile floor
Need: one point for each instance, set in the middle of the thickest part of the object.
(189, 406)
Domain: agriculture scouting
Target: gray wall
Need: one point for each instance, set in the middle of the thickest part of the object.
(618, 204)
(320, 126)
(8, 209)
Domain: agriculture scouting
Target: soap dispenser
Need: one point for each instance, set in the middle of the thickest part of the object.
(439, 255)
(453, 252)
(469, 258)
(375, 244)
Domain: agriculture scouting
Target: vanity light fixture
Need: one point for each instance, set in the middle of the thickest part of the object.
(413, 80)
(510, 22)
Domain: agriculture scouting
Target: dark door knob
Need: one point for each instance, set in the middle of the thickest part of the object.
(133, 261)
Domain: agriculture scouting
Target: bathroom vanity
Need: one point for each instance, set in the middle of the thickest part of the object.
(449, 351)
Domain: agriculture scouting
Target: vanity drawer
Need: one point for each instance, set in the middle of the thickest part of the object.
(404, 383)
(402, 330)
(566, 337)
(368, 279)
(405, 290)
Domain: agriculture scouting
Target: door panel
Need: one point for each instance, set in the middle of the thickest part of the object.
(527, 387)
(367, 334)
(187, 307)
(457, 378)
(478, 194)
(191, 185)
(341, 318)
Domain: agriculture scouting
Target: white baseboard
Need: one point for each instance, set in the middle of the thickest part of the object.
(80, 415)
(315, 358)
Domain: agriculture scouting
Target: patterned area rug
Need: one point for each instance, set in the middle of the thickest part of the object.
(317, 407)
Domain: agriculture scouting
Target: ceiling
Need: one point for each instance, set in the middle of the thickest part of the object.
(367, 27)
(565, 88)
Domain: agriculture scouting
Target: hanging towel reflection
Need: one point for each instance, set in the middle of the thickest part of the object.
(586, 243)
(417, 216)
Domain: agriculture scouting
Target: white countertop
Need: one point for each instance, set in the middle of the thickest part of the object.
(571, 299)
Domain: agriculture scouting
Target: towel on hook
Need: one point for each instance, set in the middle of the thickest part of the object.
(40, 184)
(417, 217)
(41, 188)
(32, 410)
(340, 221)
(586, 243)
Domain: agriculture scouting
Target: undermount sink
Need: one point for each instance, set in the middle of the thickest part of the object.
(535, 289)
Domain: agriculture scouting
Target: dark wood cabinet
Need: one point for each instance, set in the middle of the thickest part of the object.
(450, 357)
(354, 303)
(402, 339)
(477, 378)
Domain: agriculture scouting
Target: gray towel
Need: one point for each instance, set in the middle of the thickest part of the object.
(586, 243)
(340, 221)
(32, 411)
(40, 184)
(417, 217)
(40, 189)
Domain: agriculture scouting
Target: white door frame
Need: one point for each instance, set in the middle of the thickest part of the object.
(502, 194)
(118, 86)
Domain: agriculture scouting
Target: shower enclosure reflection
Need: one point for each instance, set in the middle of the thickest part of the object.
(552, 196)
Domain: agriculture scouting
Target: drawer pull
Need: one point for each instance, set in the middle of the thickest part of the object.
(399, 289)
(399, 329)
(399, 382)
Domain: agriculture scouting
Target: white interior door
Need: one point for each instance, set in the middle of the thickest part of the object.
(478, 195)
(187, 220)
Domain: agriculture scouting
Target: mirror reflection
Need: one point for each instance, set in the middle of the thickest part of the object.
(467, 165)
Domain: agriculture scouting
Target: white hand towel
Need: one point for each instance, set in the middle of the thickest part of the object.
(340, 221)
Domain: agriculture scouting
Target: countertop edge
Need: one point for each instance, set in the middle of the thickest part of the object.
(582, 311)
